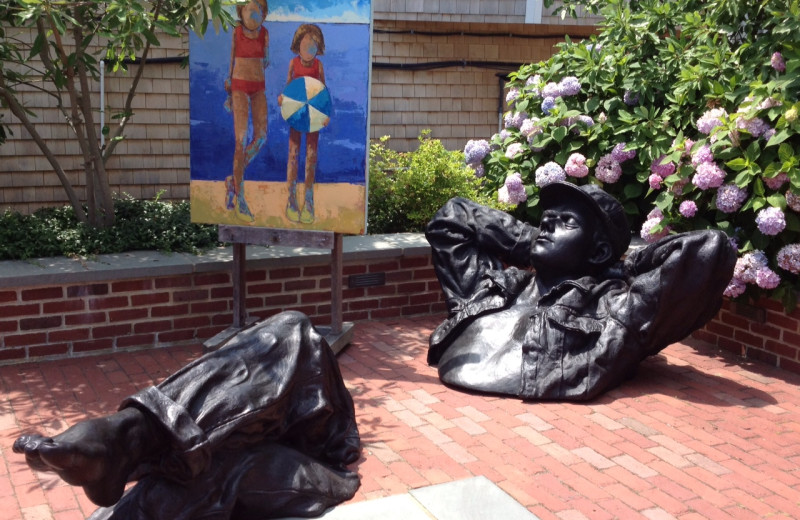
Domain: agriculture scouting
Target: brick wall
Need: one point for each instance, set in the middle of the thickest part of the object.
(763, 332)
(58, 321)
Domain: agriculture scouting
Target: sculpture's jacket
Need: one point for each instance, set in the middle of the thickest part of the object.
(587, 335)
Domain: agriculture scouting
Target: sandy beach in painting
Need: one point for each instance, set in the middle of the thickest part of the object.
(339, 206)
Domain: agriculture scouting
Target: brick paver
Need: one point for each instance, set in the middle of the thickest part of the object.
(699, 433)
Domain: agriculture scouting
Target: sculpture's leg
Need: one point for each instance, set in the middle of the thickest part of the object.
(278, 380)
(97, 454)
(252, 483)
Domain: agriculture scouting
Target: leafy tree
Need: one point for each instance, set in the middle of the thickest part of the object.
(686, 110)
(70, 39)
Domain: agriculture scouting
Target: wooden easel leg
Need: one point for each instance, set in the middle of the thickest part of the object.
(240, 321)
(340, 334)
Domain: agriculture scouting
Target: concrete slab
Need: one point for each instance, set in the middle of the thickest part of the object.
(398, 507)
(476, 498)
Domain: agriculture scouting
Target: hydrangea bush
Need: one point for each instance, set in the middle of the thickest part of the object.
(686, 111)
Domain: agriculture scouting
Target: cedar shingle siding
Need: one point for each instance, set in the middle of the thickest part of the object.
(436, 66)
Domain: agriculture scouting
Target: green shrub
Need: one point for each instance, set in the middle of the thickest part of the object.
(140, 225)
(407, 188)
(686, 111)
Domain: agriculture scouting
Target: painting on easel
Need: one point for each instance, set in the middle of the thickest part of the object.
(279, 110)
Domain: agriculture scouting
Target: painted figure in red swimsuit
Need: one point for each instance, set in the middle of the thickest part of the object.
(247, 97)
(307, 43)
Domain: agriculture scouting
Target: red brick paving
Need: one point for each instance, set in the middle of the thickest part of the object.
(698, 433)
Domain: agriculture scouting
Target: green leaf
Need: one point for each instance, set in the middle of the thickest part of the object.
(785, 152)
(779, 137)
(560, 133)
(737, 164)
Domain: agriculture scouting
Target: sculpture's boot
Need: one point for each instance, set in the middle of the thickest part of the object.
(307, 216)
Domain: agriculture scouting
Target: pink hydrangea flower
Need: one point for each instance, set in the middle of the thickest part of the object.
(648, 234)
(654, 181)
(576, 166)
(775, 183)
(710, 120)
(530, 128)
(513, 190)
(735, 288)
(709, 175)
(777, 62)
(766, 278)
(688, 208)
(702, 155)
(513, 150)
(662, 169)
(789, 258)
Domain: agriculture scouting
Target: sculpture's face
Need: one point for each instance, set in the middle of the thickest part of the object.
(565, 240)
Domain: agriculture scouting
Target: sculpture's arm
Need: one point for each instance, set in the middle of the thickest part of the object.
(468, 239)
(677, 284)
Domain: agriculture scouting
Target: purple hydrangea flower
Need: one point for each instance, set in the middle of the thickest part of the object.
(793, 201)
(504, 134)
(476, 150)
(771, 221)
(478, 169)
(621, 155)
(548, 104)
(608, 170)
(515, 119)
(710, 120)
(662, 169)
(777, 62)
(709, 175)
(688, 208)
(551, 90)
(576, 166)
(630, 98)
(702, 155)
(766, 278)
(769, 103)
(530, 127)
(533, 80)
(514, 149)
(755, 126)
(549, 173)
(789, 258)
(748, 265)
(512, 95)
(569, 86)
(775, 183)
(730, 198)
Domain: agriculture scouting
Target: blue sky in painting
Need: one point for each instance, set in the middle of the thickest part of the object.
(314, 11)
(342, 144)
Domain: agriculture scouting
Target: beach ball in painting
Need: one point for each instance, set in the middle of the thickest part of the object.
(306, 104)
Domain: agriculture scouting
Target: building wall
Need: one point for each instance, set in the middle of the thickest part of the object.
(435, 66)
